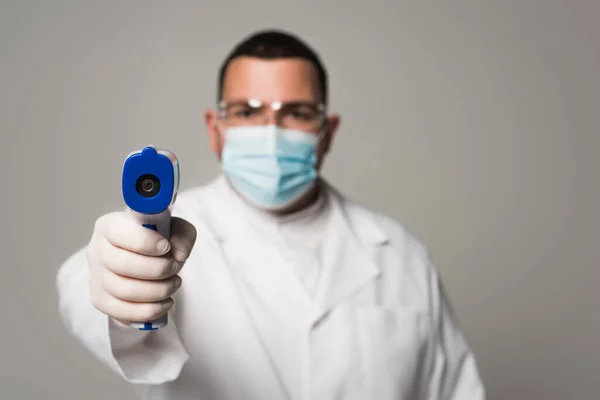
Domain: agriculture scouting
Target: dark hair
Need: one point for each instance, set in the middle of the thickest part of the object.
(274, 44)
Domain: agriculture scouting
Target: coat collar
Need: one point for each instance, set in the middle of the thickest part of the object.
(350, 258)
(358, 220)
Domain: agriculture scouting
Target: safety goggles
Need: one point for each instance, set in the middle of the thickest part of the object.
(299, 115)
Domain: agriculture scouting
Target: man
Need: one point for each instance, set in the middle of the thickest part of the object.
(290, 290)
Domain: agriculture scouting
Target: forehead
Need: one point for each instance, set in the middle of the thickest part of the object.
(288, 79)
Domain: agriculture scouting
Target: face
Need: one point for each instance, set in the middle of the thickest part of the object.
(279, 80)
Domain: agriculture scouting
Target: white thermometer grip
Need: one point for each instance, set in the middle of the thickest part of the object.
(160, 223)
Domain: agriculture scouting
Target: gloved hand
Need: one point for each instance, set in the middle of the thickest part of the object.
(133, 270)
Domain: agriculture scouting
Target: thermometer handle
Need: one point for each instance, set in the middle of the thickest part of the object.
(160, 223)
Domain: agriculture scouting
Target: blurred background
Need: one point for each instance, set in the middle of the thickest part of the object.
(475, 123)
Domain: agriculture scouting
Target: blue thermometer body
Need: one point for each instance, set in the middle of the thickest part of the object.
(149, 183)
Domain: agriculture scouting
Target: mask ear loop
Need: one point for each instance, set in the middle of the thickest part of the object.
(320, 136)
(220, 126)
(323, 129)
(221, 129)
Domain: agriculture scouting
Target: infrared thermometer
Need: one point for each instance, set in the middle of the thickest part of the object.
(150, 182)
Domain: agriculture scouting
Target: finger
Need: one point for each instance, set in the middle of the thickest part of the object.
(125, 311)
(134, 265)
(183, 238)
(127, 234)
(140, 291)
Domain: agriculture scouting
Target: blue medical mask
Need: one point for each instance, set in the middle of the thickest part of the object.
(270, 166)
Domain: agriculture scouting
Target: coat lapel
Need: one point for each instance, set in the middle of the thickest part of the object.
(350, 257)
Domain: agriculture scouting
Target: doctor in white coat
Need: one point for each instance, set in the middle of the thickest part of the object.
(290, 290)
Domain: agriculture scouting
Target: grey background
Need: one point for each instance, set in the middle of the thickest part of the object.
(473, 122)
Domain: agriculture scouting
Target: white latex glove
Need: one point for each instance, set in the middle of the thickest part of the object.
(133, 269)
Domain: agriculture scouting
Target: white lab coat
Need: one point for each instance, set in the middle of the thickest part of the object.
(380, 326)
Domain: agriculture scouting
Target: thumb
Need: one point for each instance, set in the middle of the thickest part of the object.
(183, 238)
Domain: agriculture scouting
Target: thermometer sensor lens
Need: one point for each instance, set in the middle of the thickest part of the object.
(147, 185)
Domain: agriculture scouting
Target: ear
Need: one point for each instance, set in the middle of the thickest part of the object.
(210, 121)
